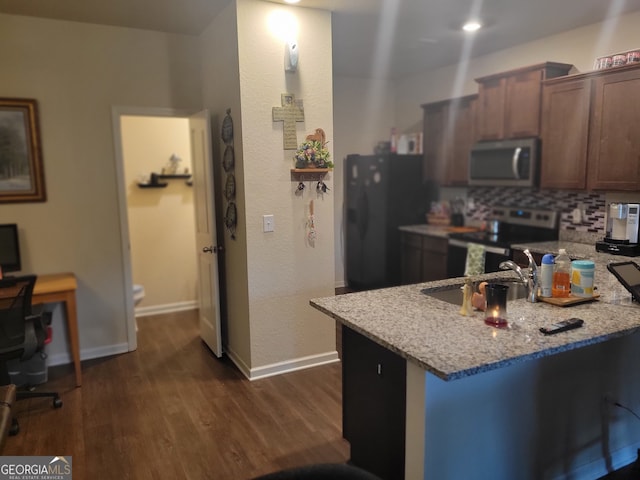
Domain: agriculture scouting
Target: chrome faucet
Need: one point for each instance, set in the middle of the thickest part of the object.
(529, 278)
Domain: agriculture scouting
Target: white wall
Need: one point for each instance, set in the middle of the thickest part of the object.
(77, 72)
(284, 270)
(364, 114)
(270, 277)
(578, 47)
(221, 91)
(161, 220)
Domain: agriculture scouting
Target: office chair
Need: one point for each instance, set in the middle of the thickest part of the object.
(22, 334)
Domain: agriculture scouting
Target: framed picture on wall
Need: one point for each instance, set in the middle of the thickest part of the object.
(21, 168)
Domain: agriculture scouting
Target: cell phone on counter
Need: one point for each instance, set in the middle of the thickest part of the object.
(562, 326)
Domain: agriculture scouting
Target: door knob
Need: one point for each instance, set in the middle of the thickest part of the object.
(212, 249)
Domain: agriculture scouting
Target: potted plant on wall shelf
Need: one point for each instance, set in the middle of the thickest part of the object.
(313, 154)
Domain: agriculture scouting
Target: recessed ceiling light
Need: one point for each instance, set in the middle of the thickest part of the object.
(472, 26)
(291, 1)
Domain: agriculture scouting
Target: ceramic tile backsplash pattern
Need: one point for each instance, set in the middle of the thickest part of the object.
(592, 205)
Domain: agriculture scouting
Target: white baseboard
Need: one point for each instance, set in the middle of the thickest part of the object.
(281, 367)
(597, 469)
(340, 284)
(166, 308)
(64, 358)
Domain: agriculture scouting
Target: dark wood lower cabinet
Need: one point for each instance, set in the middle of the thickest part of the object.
(424, 258)
(374, 403)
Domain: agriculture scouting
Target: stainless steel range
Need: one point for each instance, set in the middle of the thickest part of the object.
(509, 226)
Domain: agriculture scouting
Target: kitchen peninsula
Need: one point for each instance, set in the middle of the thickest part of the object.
(494, 403)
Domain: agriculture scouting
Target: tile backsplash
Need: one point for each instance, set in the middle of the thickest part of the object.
(481, 200)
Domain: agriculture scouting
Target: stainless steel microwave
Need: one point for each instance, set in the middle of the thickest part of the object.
(508, 163)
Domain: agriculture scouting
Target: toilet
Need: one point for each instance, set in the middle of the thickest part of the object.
(138, 296)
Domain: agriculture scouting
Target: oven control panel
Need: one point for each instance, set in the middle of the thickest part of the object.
(531, 217)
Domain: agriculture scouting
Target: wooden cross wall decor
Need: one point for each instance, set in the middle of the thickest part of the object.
(289, 113)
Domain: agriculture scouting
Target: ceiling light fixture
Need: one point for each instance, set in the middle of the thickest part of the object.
(291, 1)
(472, 26)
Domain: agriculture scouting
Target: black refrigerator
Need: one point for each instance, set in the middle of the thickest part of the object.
(382, 193)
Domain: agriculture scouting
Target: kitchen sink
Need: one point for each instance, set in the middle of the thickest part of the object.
(453, 294)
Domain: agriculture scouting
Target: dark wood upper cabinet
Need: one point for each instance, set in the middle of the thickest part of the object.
(509, 103)
(614, 136)
(464, 136)
(590, 131)
(449, 133)
(565, 133)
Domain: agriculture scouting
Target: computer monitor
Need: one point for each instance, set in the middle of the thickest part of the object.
(9, 248)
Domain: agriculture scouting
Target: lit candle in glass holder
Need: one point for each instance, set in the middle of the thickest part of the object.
(496, 313)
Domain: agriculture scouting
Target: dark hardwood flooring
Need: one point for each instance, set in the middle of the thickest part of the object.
(171, 410)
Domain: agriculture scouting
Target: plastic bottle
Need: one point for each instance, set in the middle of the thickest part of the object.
(561, 275)
(546, 275)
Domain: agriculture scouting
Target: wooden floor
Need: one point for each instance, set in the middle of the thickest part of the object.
(171, 410)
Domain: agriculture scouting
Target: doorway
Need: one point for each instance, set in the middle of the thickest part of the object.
(157, 219)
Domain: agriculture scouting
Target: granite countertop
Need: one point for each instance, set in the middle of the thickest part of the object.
(432, 334)
(440, 231)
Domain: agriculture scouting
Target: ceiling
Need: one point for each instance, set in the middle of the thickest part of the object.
(380, 38)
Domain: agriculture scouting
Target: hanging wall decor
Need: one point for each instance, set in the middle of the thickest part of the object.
(231, 219)
(311, 227)
(289, 113)
(230, 187)
(227, 128)
(22, 173)
(228, 164)
(228, 159)
(313, 152)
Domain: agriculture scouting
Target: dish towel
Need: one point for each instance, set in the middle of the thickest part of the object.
(475, 259)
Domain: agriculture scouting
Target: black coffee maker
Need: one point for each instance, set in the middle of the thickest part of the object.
(457, 211)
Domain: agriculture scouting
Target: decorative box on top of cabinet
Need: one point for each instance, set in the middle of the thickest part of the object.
(449, 133)
(590, 126)
(509, 103)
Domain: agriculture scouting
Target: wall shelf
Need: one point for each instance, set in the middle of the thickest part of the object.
(310, 170)
(177, 175)
(154, 183)
(309, 173)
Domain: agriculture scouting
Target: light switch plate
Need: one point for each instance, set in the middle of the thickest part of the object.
(267, 223)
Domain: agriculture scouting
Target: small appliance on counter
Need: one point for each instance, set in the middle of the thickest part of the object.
(622, 230)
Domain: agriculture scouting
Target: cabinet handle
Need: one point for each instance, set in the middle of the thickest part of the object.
(379, 369)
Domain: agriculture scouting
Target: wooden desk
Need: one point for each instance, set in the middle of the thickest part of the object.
(61, 287)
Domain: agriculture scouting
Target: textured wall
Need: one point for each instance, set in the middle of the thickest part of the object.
(284, 271)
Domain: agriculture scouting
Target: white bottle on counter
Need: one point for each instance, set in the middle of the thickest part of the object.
(546, 275)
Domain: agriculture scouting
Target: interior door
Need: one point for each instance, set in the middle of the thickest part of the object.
(207, 251)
